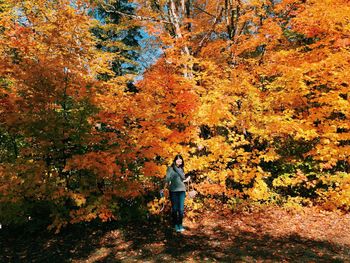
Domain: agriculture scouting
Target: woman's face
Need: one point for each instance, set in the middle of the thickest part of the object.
(178, 162)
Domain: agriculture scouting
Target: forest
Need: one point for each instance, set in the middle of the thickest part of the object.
(98, 96)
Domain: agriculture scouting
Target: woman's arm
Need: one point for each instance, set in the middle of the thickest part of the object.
(169, 175)
(167, 180)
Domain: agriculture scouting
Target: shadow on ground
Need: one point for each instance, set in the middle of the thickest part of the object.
(154, 242)
(21, 245)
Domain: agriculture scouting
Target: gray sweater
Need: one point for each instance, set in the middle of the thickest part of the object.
(175, 179)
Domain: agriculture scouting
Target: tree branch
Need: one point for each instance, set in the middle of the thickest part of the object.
(202, 10)
(112, 9)
(207, 35)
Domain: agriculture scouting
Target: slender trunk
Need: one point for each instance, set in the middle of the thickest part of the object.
(232, 12)
(178, 34)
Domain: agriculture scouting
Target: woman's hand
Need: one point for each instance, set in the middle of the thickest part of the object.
(161, 193)
(187, 179)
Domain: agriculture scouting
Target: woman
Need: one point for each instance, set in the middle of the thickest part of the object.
(175, 179)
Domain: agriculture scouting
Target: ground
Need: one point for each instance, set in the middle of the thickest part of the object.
(265, 235)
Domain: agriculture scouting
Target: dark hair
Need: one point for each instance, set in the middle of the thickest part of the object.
(178, 156)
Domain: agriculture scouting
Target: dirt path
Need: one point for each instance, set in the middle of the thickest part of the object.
(272, 235)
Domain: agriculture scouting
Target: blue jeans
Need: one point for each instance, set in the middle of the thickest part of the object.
(177, 206)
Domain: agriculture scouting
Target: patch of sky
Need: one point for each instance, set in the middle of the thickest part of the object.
(145, 49)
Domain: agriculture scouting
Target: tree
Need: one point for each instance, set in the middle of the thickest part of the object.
(270, 78)
(50, 104)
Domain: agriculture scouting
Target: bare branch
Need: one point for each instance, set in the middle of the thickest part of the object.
(202, 10)
(207, 35)
(112, 9)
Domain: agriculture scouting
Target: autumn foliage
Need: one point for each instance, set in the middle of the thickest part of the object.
(253, 94)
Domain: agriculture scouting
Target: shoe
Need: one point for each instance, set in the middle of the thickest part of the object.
(177, 228)
(181, 228)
